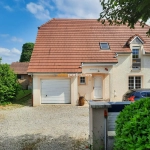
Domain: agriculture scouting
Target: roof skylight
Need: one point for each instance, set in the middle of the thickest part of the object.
(104, 45)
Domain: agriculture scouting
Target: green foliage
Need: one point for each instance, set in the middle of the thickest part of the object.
(27, 49)
(8, 84)
(22, 93)
(133, 127)
(23, 97)
(125, 12)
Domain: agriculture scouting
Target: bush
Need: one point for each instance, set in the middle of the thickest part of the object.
(8, 84)
(133, 127)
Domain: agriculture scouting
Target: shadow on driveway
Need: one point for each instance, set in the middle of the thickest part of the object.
(41, 142)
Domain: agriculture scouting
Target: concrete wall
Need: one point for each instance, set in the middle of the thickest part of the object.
(37, 88)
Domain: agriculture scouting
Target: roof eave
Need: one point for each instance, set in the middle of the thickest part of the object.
(99, 64)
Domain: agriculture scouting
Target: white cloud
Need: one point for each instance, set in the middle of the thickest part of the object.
(38, 10)
(4, 35)
(46, 3)
(9, 55)
(16, 51)
(8, 8)
(9, 52)
(87, 9)
(15, 39)
(78, 8)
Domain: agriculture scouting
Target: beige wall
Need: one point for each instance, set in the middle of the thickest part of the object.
(120, 74)
(87, 89)
(123, 70)
(115, 80)
(37, 88)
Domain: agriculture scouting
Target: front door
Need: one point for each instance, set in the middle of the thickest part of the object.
(98, 87)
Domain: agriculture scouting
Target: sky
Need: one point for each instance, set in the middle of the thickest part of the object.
(20, 20)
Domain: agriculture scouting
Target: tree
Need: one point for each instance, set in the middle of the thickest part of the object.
(8, 84)
(125, 12)
(0, 59)
(27, 49)
(133, 126)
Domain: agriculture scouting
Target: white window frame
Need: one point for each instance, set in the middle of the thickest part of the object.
(82, 80)
(134, 82)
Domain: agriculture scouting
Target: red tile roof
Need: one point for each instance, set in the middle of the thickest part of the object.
(20, 67)
(132, 37)
(62, 44)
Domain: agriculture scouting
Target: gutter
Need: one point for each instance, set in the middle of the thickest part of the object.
(98, 64)
(124, 52)
(147, 52)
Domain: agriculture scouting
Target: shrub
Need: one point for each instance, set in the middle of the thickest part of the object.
(8, 84)
(133, 127)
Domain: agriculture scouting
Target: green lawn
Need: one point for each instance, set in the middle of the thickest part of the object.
(23, 97)
(22, 94)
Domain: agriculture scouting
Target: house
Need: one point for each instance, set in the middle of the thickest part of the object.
(81, 57)
(20, 68)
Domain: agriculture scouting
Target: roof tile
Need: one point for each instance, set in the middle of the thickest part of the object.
(63, 44)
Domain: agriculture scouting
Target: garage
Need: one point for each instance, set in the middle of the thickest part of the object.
(54, 91)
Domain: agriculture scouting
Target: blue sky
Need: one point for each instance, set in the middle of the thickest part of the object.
(20, 19)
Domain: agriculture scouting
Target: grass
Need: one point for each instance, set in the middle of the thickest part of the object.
(22, 94)
(23, 98)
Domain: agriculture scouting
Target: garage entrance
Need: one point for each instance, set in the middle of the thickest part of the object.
(54, 91)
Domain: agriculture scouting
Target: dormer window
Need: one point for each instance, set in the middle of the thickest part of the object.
(135, 53)
(136, 61)
(104, 46)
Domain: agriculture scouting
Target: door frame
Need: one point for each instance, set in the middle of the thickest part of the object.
(94, 85)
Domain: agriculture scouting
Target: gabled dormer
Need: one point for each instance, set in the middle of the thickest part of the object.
(137, 40)
(136, 45)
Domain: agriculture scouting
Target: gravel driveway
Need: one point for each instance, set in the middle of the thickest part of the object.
(50, 127)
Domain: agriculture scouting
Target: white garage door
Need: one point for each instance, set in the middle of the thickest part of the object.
(55, 91)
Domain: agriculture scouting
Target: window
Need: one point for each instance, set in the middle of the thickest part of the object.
(19, 76)
(137, 95)
(134, 82)
(145, 94)
(82, 80)
(104, 46)
(22, 77)
(136, 61)
(148, 94)
(135, 53)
